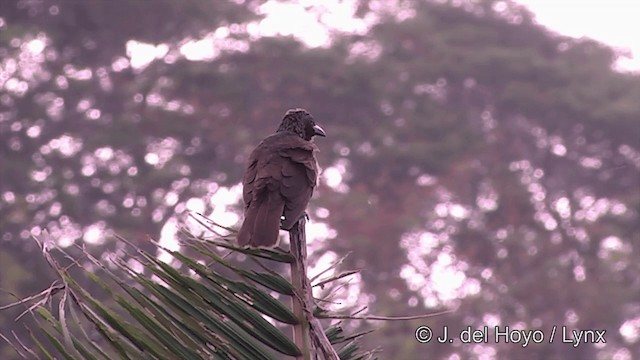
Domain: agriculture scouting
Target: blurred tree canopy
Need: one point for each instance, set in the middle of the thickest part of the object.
(485, 163)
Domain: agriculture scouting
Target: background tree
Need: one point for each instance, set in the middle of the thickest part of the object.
(85, 149)
(483, 162)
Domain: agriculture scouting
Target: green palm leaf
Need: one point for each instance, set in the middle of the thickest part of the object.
(186, 310)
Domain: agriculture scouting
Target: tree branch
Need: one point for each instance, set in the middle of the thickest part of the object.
(309, 326)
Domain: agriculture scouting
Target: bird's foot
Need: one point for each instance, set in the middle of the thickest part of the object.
(304, 216)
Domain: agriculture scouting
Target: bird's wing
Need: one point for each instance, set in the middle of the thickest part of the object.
(304, 156)
(248, 181)
(299, 176)
(286, 164)
(263, 202)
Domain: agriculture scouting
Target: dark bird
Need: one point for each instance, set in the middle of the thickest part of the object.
(279, 180)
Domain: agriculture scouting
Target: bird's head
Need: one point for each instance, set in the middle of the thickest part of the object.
(300, 122)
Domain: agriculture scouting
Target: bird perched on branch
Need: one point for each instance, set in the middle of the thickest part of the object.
(279, 180)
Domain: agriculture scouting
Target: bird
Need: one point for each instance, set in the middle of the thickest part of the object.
(279, 180)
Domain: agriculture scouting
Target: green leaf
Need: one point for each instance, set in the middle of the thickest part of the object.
(254, 297)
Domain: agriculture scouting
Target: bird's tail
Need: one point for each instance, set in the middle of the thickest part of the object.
(262, 220)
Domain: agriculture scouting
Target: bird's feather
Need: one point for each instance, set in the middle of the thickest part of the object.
(279, 180)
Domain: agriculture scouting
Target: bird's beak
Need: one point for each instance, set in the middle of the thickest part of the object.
(317, 130)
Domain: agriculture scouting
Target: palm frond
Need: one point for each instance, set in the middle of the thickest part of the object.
(184, 310)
